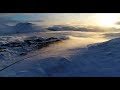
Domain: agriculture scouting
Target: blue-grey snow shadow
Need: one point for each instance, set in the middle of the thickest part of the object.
(99, 60)
(49, 67)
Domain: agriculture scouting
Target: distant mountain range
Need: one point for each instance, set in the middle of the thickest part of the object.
(20, 28)
(29, 27)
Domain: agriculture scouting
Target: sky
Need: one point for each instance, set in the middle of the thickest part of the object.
(48, 19)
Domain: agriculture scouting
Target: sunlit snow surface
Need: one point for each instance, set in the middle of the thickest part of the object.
(69, 57)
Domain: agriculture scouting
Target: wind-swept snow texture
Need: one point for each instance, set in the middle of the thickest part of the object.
(101, 59)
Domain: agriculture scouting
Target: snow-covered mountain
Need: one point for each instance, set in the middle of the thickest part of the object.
(27, 27)
(20, 28)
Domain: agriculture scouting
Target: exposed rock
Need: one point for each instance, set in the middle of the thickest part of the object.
(29, 44)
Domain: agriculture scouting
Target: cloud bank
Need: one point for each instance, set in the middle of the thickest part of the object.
(73, 28)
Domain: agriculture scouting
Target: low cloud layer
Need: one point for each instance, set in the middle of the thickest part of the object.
(118, 23)
(9, 18)
(7, 21)
(7, 14)
(111, 35)
(73, 28)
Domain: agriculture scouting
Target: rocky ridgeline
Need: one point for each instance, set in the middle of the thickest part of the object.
(27, 45)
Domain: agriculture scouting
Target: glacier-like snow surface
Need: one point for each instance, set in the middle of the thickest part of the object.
(82, 54)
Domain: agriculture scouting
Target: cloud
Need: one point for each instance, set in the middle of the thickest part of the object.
(112, 35)
(7, 20)
(73, 28)
(12, 14)
(10, 21)
(35, 20)
(7, 14)
(117, 23)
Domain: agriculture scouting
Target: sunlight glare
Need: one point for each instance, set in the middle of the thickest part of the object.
(106, 20)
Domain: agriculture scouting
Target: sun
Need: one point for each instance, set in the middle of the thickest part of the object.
(106, 20)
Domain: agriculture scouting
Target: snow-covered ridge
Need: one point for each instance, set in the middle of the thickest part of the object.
(101, 59)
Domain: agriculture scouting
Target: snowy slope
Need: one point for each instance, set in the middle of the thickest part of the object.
(101, 59)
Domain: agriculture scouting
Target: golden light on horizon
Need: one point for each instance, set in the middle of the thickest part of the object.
(106, 20)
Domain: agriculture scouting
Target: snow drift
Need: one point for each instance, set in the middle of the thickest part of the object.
(102, 59)
(98, 60)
